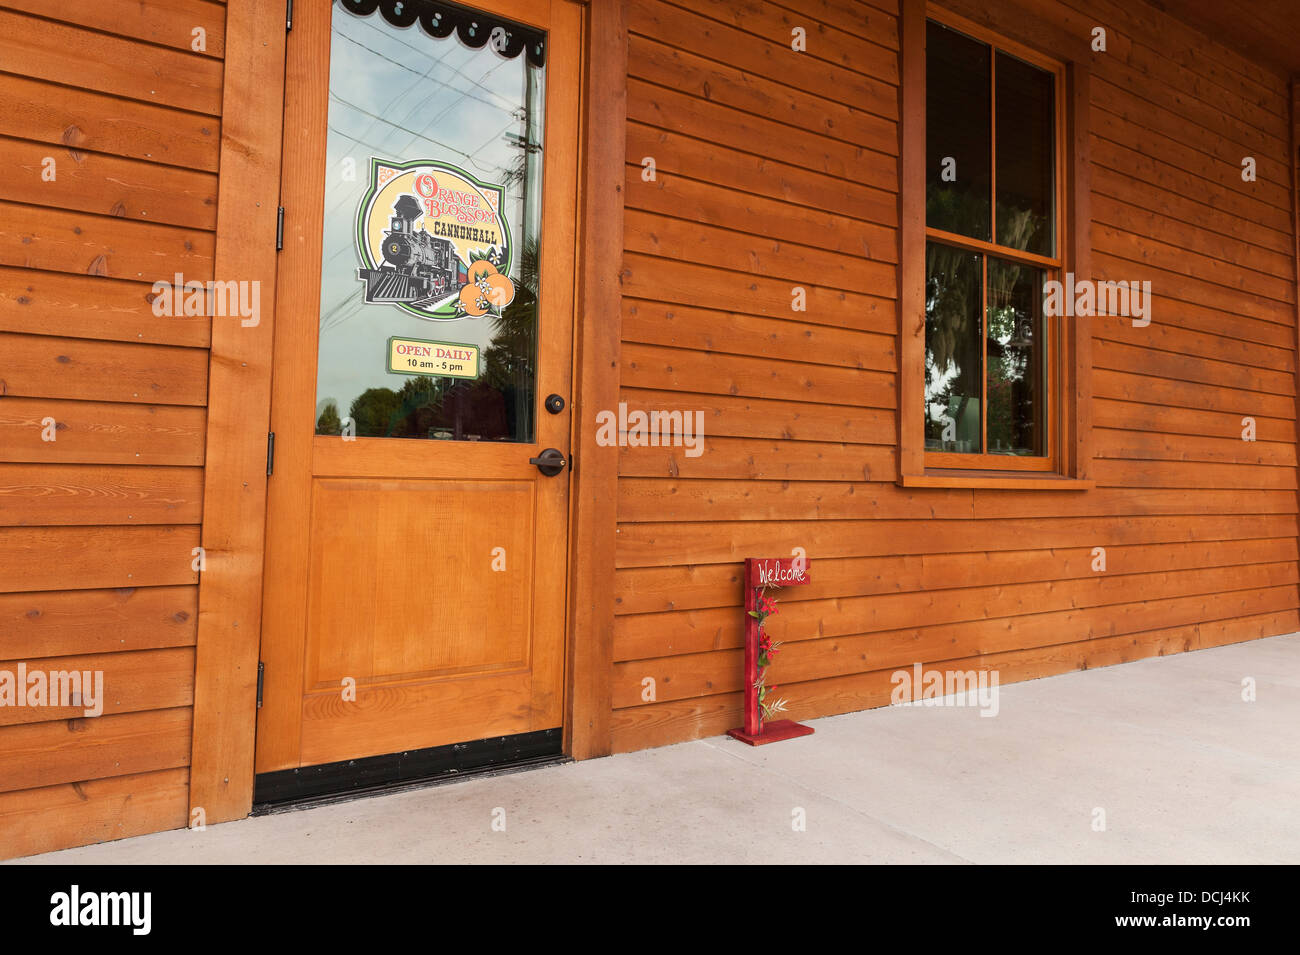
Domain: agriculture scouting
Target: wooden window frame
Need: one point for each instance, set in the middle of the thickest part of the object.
(1069, 340)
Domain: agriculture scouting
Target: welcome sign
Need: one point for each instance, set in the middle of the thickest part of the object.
(778, 571)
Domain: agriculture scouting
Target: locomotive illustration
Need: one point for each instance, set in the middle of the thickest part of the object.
(418, 268)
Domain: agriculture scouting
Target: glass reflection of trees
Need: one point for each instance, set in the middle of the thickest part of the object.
(499, 404)
(953, 367)
(1015, 347)
(1013, 352)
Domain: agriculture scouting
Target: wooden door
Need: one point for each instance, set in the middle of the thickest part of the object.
(415, 570)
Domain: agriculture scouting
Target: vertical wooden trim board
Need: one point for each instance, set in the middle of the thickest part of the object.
(239, 400)
(1294, 163)
(595, 490)
(1077, 387)
(911, 244)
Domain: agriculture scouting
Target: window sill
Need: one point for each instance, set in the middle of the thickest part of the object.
(999, 480)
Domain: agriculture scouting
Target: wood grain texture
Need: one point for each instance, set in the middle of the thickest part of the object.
(110, 683)
(78, 121)
(595, 481)
(170, 23)
(110, 136)
(802, 411)
(38, 366)
(83, 558)
(37, 495)
(56, 817)
(51, 623)
(70, 751)
(107, 185)
(73, 56)
(234, 493)
(99, 432)
(96, 307)
(661, 723)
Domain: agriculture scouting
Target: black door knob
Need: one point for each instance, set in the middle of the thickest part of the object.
(550, 462)
(554, 404)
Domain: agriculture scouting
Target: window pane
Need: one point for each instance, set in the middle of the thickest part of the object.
(953, 376)
(958, 129)
(1017, 360)
(1026, 157)
(432, 205)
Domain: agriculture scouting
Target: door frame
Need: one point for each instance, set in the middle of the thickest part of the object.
(233, 532)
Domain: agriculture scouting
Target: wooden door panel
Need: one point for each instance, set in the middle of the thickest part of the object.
(380, 457)
(418, 579)
(389, 719)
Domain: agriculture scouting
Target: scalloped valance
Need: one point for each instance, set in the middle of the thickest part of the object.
(475, 28)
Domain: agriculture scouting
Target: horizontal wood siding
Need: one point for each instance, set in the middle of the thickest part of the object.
(109, 136)
(775, 169)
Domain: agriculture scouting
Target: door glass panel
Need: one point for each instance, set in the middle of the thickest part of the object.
(432, 215)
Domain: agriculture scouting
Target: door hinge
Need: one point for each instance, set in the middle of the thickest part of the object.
(270, 453)
(261, 672)
(279, 228)
(288, 16)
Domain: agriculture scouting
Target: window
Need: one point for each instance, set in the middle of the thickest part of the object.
(989, 381)
(990, 224)
(432, 226)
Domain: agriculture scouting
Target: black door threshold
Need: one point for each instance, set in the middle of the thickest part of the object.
(396, 772)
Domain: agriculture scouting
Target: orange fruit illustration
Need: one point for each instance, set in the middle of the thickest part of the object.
(481, 269)
(472, 301)
(500, 290)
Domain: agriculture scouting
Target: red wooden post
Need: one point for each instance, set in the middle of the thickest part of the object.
(753, 716)
(769, 572)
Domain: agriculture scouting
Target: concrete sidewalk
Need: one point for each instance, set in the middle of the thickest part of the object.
(1185, 771)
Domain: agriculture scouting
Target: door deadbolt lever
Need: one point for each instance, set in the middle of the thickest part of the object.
(550, 462)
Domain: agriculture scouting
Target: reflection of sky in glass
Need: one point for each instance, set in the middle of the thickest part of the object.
(401, 94)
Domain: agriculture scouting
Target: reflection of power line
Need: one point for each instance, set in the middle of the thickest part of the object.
(356, 305)
(433, 122)
(464, 93)
(508, 105)
(395, 100)
(490, 169)
(415, 135)
(491, 139)
(421, 134)
(389, 122)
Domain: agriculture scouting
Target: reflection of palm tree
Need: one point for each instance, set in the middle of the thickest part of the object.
(509, 361)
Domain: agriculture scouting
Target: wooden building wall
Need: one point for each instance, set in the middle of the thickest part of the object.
(97, 526)
(773, 169)
(776, 169)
